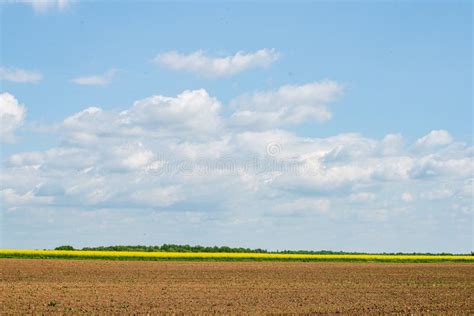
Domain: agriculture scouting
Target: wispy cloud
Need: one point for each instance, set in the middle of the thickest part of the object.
(96, 80)
(19, 75)
(42, 6)
(200, 63)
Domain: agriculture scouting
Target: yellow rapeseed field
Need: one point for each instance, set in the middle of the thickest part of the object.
(135, 255)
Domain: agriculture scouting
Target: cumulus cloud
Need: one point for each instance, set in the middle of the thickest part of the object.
(96, 80)
(42, 6)
(200, 63)
(290, 104)
(190, 110)
(19, 75)
(437, 165)
(391, 144)
(12, 115)
(178, 161)
(434, 138)
(191, 114)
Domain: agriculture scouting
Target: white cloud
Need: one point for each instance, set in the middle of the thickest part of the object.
(42, 6)
(12, 115)
(96, 80)
(392, 144)
(190, 110)
(198, 62)
(28, 198)
(290, 104)
(433, 165)
(135, 157)
(82, 116)
(179, 156)
(434, 138)
(19, 75)
(192, 114)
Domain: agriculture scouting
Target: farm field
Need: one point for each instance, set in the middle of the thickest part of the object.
(105, 286)
(227, 256)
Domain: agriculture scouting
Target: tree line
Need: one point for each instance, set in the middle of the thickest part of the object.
(198, 248)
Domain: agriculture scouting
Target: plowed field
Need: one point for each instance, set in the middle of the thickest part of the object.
(99, 287)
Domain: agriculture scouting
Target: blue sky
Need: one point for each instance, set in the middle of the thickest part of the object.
(374, 98)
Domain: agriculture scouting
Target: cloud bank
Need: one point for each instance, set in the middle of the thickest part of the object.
(177, 161)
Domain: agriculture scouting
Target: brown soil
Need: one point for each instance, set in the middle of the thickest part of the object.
(105, 287)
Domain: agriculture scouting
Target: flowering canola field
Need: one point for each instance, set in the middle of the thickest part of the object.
(226, 256)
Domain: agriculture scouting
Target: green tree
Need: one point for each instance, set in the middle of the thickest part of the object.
(65, 247)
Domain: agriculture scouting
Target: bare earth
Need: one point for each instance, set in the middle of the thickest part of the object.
(99, 287)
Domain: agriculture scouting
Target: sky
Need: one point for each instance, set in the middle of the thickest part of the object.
(288, 125)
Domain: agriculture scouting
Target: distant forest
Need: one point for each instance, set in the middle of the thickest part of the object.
(188, 248)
